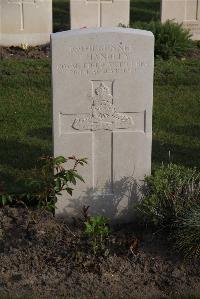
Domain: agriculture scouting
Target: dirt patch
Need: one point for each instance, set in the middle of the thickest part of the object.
(41, 255)
(39, 52)
(194, 53)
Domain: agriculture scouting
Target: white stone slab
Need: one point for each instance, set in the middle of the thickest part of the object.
(183, 11)
(102, 110)
(99, 13)
(25, 22)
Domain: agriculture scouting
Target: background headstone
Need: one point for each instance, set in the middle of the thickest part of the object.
(102, 110)
(25, 22)
(183, 11)
(99, 13)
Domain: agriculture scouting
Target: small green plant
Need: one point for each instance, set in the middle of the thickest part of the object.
(122, 25)
(172, 202)
(25, 46)
(97, 229)
(171, 39)
(187, 234)
(5, 199)
(53, 178)
(169, 193)
(47, 182)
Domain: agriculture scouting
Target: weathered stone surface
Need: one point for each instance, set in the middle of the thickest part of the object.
(183, 11)
(99, 13)
(25, 22)
(102, 110)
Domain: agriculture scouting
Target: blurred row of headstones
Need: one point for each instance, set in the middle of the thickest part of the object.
(29, 22)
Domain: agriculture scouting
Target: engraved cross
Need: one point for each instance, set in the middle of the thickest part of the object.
(21, 5)
(103, 121)
(99, 7)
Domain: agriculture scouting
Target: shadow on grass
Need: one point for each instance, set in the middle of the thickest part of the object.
(61, 15)
(191, 131)
(144, 10)
(178, 154)
(14, 183)
(41, 133)
(20, 155)
(17, 160)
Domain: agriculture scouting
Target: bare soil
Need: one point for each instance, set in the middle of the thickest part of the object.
(41, 52)
(41, 255)
(194, 53)
(38, 52)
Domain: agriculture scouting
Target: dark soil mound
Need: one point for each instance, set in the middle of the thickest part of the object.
(21, 53)
(41, 255)
(44, 52)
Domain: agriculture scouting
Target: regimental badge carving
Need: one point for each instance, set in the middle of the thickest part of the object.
(103, 113)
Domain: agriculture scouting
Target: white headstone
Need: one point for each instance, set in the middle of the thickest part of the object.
(186, 12)
(102, 110)
(99, 13)
(27, 22)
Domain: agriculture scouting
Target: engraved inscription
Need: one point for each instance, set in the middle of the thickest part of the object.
(103, 113)
(101, 59)
(102, 67)
(121, 48)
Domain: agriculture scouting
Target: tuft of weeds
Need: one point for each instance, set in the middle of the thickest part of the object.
(47, 182)
(171, 39)
(97, 229)
(169, 193)
(171, 202)
(187, 234)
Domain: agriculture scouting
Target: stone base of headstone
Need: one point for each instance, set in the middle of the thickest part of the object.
(9, 40)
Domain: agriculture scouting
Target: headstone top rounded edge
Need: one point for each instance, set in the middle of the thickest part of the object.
(86, 31)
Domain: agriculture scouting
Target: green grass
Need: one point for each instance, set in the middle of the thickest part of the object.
(26, 117)
(61, 15)
(176, 119)
(144, 10)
